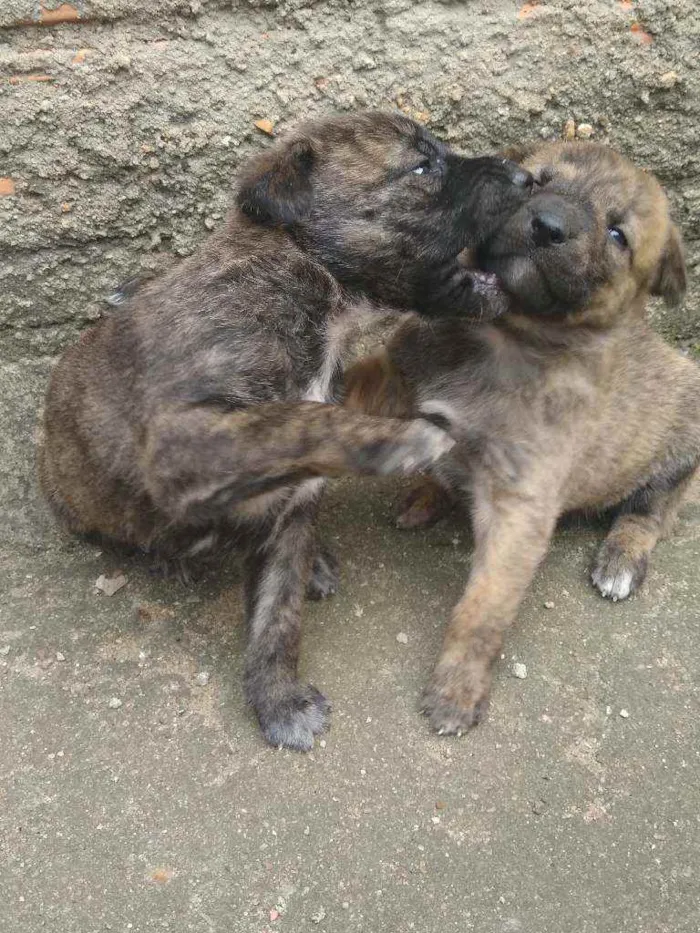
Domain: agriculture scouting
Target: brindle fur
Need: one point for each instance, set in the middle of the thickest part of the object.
(568, 401)
(199, 413)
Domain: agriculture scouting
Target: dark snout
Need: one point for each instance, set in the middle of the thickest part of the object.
(544, 221)
(465, 172)
(483, 193)
(551, 220)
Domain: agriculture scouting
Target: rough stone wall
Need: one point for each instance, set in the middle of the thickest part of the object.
(122, 125)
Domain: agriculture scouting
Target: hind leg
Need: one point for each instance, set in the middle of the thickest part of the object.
(325, 575)
(646, 517)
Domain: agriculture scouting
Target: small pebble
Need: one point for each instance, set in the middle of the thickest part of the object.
(538, 807)
(548, 604)
(345, 905)
(267, 127)
(114, 703)
(624, 714)
(584, 131)
(202, 679)
(608, 710)
(319, 915)
(569, 131)
(668, 79)
(110, 585)
(4, 651)
(60, 656)
(519, 671)
(402, 638)
(322, 743)
(435, 819)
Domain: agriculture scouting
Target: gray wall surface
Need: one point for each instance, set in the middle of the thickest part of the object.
(122, 126)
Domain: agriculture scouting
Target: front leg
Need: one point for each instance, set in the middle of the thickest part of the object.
(198, 462)
(511, 537)
(278, 567)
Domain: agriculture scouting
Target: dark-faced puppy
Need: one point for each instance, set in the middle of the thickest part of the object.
(567, 401)
(199, 413)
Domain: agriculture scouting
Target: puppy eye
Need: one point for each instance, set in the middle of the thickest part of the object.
(423, 169)
(618, 237)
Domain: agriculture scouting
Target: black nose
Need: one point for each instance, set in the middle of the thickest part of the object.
(547, 228)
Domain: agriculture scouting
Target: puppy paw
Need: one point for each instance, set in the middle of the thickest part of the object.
(456, 698)
(617, 574)
(462, 289)
(418, 446)
(325, 576)
(182, 569)
(424, 505)
(298, 713)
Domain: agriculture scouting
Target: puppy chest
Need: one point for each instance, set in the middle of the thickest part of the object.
(339, 334)
(319, 388)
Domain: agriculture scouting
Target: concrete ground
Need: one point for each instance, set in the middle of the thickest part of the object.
(135, 796)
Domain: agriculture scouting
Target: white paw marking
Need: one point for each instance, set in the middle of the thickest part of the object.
(614, 586)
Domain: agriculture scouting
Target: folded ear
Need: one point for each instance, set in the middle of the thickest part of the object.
(277, 189)
(670, 279)
(519, 152)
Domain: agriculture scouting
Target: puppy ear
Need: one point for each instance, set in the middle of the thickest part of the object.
(519, 152)
(670, 279)
(277, 190)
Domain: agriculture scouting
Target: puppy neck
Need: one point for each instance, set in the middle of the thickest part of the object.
(589, 325)
(246, 237)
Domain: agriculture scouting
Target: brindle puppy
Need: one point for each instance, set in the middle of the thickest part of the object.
(565, 401)
(199, 414)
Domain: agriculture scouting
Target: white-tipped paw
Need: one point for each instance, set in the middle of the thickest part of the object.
(617, 574)
(422, 444)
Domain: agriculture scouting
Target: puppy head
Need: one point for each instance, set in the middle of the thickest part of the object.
(594, 237)
(378, 200)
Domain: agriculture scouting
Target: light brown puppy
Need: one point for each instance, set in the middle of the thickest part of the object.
(565, 401)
